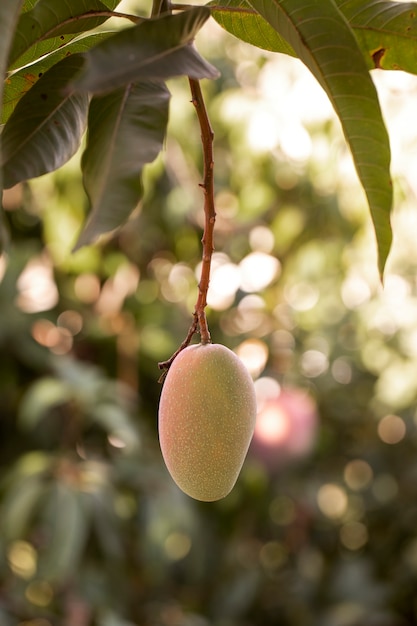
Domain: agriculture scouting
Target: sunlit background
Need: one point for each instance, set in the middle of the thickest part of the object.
(320, 529)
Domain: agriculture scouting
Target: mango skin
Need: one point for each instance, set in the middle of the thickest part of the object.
(207, 414)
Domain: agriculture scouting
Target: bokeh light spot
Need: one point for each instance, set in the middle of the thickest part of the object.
(58, 340)
(341, 371)
(177, 545)
(332, 500)
(272, 425)
(314, 363)
(87, 288)
(391, 429)
(71, 320)
(40, 593)
(254, 354)
(301, 296)
(261, 239)
(354, 535)
(22, 559)
(258, 270)
(355, 291)
(358, 474)
(36, 286)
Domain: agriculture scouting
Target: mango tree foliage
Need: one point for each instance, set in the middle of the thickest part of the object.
(9, 12)
(67, 72)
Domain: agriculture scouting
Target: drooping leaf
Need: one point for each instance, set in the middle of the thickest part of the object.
(155, 49)
(21, 81)
(242, 21)
(324, 42)
(50, 25)
(386, 32)
(9, 13)
(46, 127)
(126, 131)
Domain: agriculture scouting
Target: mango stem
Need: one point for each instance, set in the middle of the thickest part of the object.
(207, 240)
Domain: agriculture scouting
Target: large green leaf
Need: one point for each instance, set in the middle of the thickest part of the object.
(126, 131)
(242, 21)
(46, 127)
(9, 13)
(322, 39)
(21, 81)
(156, 49)
(386, 32)
(51, 24)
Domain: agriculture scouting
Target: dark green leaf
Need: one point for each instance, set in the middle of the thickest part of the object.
(324, 42)
(46, 127)
(51, 24)
(126, 130)
(386, 32)
(9, 13)
(20, 82)
(156, 49)
(242, 21)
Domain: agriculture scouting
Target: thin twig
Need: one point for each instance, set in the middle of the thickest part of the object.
(199, 316)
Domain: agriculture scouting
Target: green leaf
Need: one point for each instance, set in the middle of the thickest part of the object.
(20, 504)
(51, 24)
(28, 5)
(324, 41)
(21, 81)
(9, 13)
(40, 398)
(242, 21)
(156, 49)
(126, 130)
(67, 521)
(46, 127)
(115, 421)
(386, 32)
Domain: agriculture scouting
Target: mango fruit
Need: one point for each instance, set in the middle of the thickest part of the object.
(206, 420)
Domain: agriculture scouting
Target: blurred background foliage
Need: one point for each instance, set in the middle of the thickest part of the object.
(320, 529)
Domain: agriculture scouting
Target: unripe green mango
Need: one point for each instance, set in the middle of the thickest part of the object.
(207, 415)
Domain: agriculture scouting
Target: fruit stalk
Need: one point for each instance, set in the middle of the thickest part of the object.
(207, 240)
